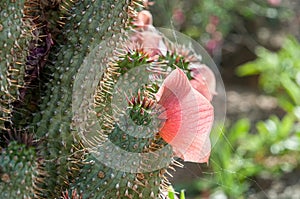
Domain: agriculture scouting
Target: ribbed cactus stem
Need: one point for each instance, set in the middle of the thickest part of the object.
(47, 76)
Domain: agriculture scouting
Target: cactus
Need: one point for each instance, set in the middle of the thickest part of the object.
(47, 46)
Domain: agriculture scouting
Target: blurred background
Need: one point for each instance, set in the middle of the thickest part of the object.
(255, 44)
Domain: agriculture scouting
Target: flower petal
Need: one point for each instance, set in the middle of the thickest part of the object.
(143, 19)
(189, 118)
(201, 86)
(203, 80)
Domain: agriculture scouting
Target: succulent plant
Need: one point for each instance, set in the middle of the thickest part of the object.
(60, 65)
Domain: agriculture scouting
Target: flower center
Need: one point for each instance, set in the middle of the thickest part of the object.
(141, 109)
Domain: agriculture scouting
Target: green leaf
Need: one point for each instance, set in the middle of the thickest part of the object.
(291, 87)
(239, 130)
(182, 194)
(285, 103)
(247, 69)
(286, 125)
(171, 192)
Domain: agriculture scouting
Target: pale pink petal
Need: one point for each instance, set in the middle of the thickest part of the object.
(147, 37)
(204, 80)
(143, 20)
(201, 86)
(151, 42)
(189, 118)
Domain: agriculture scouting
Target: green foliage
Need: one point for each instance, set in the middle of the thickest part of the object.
(172, 194)
(213, 20)
(230, 168)
(278, 73)
(241, 155)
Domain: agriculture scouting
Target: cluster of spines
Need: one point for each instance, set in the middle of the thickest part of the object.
(103, 97)
(72, 195)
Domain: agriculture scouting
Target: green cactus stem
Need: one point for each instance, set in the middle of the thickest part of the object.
(13, 54)
(44, 45)
(18, 171)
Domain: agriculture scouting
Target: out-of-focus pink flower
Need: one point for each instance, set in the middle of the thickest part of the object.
(214, 20)
(210, 28)
(146, 3)
(188, 118)
(178, 16)
(274, 2)
(211, 45)
(204, 80)
(218, 36)
(143, 20)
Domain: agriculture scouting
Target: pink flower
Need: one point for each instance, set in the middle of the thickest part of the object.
(178, 16)
(214, 20)
(147, 37)
(211, 45)
(143, 20)
(188, 118)
(204, 80)
(274, 2)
